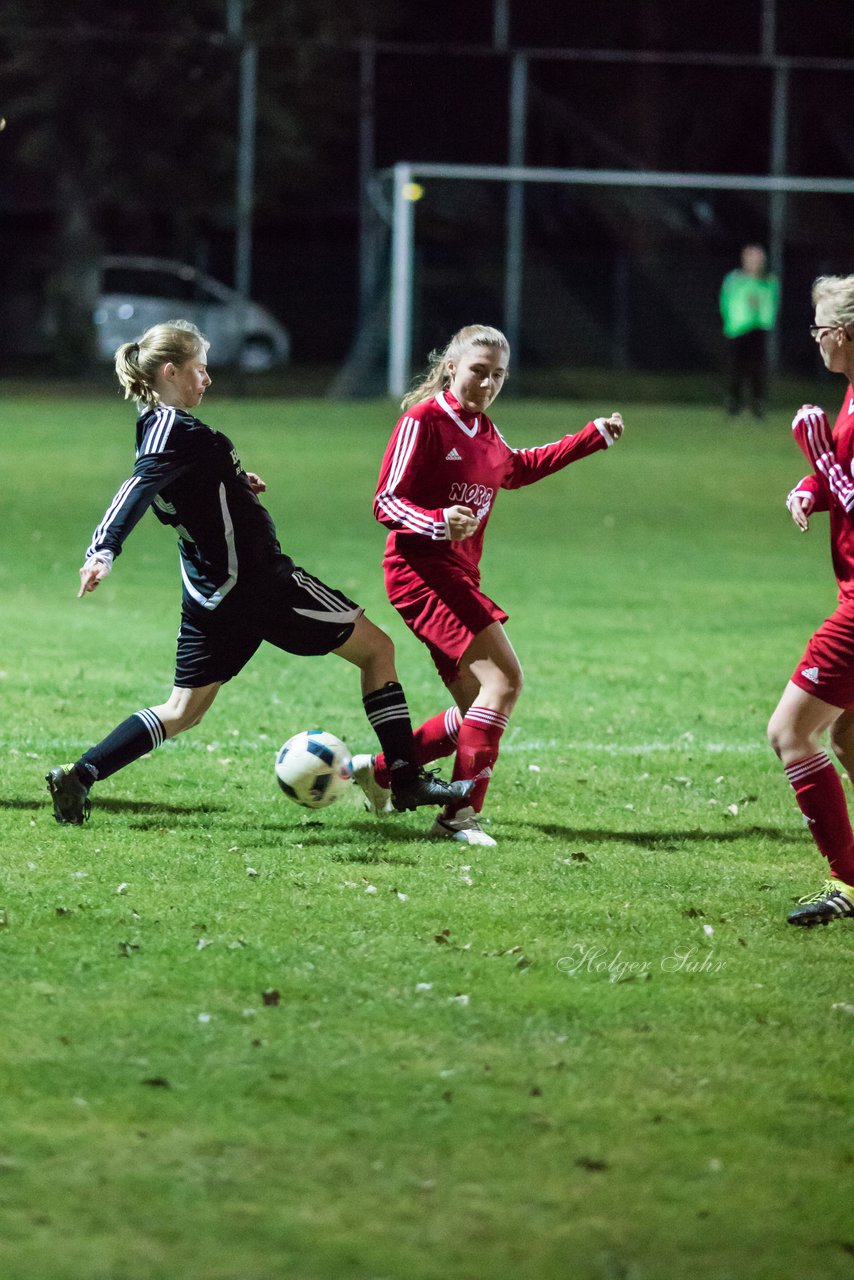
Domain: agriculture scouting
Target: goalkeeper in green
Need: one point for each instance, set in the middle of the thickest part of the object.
(749, 301)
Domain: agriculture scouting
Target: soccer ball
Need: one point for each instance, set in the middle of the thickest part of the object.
(314, 768)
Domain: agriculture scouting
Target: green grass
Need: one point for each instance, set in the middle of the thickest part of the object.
(595, 1051)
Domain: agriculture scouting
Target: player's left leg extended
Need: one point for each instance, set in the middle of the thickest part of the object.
(70, 784)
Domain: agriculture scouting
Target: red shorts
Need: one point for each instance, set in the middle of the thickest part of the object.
(827, 668)
(442, 605)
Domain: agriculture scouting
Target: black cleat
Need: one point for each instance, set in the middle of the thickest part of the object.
(833, 901)
(428, 788)
(71, 803)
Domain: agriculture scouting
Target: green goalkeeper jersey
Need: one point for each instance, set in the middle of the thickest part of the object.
(748, 302)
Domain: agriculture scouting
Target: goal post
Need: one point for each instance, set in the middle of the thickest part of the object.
(406, 177)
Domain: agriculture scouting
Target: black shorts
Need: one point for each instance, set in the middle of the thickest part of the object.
(281, 604)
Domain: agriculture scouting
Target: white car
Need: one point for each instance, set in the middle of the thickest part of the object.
(139, 292)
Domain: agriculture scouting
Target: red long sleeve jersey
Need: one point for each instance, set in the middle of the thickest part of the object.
(841, 521)
(440, 456)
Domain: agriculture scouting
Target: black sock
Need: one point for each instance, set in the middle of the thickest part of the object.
(134, 737)
(389, 716)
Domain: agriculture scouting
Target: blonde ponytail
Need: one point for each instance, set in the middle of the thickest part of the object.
(138, 363)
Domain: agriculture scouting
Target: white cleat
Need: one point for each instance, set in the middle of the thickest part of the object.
(464, 827)
(377, 798)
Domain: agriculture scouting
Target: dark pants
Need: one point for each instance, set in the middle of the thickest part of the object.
(748, 372)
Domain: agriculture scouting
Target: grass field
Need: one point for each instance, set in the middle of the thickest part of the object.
(242, 1042)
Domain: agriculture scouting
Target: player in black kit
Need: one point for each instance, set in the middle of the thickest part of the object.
(239, 588)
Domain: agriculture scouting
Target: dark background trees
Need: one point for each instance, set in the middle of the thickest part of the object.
(121, 136)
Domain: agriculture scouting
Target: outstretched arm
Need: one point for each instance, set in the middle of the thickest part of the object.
(134, 497)
(530, 465)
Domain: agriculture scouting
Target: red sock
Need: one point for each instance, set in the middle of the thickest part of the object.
(818, 791)
(477, 752)
(435, 738)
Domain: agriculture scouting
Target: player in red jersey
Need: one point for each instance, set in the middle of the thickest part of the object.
(820, 695)
(441, 473)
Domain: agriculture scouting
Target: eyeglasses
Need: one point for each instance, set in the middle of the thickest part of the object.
(816, 330)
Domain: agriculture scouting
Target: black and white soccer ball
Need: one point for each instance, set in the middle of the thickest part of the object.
(314, 768)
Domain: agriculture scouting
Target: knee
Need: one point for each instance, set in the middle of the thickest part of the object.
(508, 686)
(178, 719)
(383, 648)
(375, 647)
(515, 683)
(779, 735)
(788, 741)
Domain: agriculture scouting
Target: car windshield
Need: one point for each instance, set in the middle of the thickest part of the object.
(149, 283)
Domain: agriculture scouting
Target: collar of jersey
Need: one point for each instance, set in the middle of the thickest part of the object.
(452, 413)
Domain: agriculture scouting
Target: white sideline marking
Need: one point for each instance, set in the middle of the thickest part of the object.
(637, 748)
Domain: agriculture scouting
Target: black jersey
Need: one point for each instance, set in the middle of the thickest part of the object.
(192, 477)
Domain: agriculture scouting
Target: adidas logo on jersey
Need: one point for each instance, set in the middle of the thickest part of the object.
(810, 673)
(453, 456)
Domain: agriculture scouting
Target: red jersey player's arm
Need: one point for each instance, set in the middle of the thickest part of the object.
(396, 500)
(813, 435)
(528, 465)
(812, 490)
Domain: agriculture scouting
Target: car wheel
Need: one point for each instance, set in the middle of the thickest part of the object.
(257, 355)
